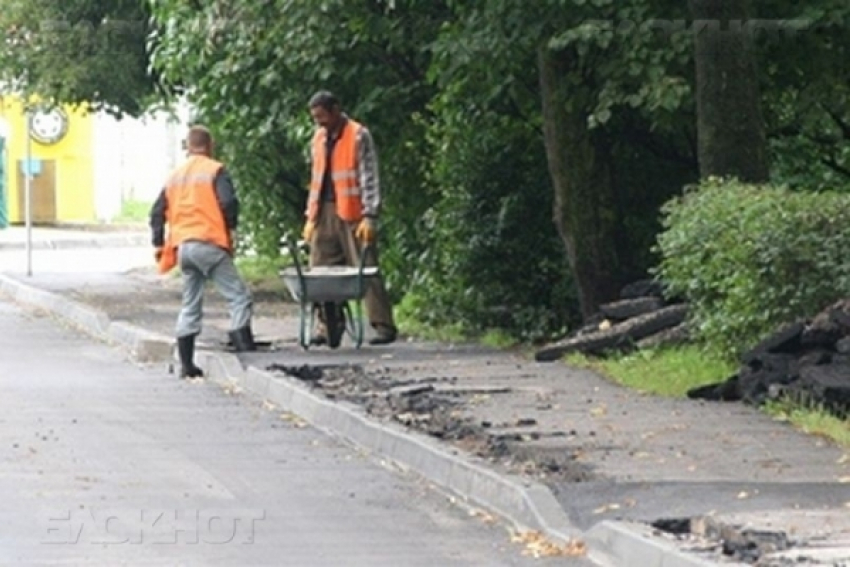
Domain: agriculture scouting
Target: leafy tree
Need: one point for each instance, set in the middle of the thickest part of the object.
(79, 52)
(252, 67)
(730, 124)
(593, 80)
(806, 88)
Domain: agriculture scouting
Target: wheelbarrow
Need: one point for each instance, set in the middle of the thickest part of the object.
(331, 289)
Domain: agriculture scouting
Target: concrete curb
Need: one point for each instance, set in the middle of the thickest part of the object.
(85, 242)
(527, 504)
(143, 345)
(625, 543)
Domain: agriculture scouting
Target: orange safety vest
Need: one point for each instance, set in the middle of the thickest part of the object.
(349, 206)
(192, 208)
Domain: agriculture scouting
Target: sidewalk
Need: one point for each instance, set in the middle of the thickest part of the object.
(68, 237)
(616, 462)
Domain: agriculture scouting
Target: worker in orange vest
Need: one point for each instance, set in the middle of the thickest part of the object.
(200, 208)
(343, 206)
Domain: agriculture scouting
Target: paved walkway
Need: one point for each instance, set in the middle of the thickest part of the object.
(606, 452)
(106, 464)
(84, 236)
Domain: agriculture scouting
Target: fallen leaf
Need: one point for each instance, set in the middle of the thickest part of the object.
(483, 516)
(599, 412)
(231, 389)
(536, 545)
(606, 508)
(296, 421)
(479, 398)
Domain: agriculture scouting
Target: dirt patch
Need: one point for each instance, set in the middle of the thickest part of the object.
(431, 406)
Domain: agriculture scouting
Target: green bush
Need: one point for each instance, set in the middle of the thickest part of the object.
(750, 258)
(492, 257)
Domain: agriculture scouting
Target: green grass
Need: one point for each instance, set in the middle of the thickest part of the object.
(667, 372)
(497, 338)
(673, 371)
(447, 333)
(261, 270)
(814, 421)
(133, 210)
(453, 333)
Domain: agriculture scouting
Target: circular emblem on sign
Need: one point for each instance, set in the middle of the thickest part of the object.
(49, 126)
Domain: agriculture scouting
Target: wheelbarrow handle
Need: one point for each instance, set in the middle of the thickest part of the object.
(295, 247)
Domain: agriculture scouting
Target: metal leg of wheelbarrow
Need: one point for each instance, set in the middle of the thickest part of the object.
(306, 324)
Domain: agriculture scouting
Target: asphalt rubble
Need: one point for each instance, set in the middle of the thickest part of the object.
(716, 483)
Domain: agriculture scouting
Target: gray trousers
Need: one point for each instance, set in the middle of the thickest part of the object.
(200, 262)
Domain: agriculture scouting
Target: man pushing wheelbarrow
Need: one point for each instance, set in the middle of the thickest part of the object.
(342, 213)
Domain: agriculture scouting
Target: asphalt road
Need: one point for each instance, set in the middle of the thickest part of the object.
(105, 463)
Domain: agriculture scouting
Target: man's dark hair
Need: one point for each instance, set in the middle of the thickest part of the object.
(199, 138)
(324, 99)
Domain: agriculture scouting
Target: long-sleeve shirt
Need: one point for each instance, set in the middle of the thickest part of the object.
(367, 173)
(227, 201)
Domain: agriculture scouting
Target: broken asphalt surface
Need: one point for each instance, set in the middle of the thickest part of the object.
(605, 452)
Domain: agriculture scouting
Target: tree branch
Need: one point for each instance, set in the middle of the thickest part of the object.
(835, 166)
(839, 121)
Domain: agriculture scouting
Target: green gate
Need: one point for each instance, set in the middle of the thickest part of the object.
(4, 217)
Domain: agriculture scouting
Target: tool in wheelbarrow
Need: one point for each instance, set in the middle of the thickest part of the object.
(335, 292)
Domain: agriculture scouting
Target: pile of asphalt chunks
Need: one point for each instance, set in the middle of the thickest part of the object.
(640, 318)
(807, 361)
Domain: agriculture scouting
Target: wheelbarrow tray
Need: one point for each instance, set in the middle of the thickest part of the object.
(327, 283)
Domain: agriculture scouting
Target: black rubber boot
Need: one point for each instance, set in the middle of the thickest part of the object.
(243, 339)
(186, 350)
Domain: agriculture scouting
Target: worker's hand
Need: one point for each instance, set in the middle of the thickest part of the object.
(157, 253)
(365, 231)
(309, 230)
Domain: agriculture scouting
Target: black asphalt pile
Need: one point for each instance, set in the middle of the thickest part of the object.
(640, 318)
(423, 406)
(807, 362)
(710, 537)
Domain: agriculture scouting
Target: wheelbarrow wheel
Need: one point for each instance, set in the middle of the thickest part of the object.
(334, 322)
(354, 324)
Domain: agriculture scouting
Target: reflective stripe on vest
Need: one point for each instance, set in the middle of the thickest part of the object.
(346, 184)
(192, 208)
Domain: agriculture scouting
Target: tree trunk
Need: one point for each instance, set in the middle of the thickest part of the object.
(580, 167)
(731, 132)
